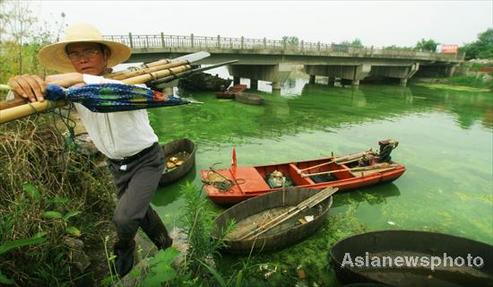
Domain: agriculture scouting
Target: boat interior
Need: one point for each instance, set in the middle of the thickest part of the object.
(309, 172)
(319, 171)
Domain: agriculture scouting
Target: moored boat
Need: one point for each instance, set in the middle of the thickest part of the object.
(249, 98)
(237, 183)
(412, 258)
(274, 220)
(179, 160)
(231, 92)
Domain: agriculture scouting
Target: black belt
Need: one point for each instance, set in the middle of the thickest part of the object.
(136, 156)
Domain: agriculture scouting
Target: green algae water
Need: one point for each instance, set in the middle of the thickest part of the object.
(445, 143)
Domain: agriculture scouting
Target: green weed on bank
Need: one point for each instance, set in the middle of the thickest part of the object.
(50, 190)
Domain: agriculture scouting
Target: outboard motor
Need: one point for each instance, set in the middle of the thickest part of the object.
(386, 147)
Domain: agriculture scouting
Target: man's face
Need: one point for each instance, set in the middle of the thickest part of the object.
(87, 58)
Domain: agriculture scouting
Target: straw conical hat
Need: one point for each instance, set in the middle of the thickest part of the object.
(54, 56)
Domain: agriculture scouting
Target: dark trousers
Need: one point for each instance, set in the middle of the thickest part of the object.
(136, 183)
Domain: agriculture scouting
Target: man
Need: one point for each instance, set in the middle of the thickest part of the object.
(126, 138)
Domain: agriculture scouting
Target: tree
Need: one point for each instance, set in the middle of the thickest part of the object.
(427, 45)
(21, 37)
(356, 43)
(482, 48)
(291, 40)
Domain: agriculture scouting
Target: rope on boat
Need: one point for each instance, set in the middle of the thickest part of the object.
(222, 183)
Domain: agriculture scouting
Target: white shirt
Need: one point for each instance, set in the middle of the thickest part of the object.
(118, 134)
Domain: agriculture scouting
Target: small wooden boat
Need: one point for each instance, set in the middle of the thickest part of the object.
(179, 160)
(274, 220)
(237, 183)
(391, 244)
(231, 92)
(248, 98)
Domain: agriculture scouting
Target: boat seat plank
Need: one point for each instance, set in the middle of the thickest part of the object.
(294, 173)
(250, 180)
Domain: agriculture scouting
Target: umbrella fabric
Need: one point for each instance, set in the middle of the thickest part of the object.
(111, 97)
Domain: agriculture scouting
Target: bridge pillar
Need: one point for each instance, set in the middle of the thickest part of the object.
(253, 84)
(403, 73)
(312, 79)
(403, 82)
(346, 82)
(450, 70)
(236, 80)
(276, 86)
(331, 81)
(436, 70)
(355, 83)
(352, 73)
(268, 73)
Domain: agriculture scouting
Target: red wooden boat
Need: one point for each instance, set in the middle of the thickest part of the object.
(237, 183)
(231, 92)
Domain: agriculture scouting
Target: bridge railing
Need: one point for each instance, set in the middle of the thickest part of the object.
(302, 47)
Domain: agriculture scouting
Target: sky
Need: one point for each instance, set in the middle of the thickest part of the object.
(375, 23)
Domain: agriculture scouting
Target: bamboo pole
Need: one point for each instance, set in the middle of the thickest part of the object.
(156, 75)
(336, 160)
(307, 203)
(143, 66)
(130, 74)
(28, 109)
(363, 168)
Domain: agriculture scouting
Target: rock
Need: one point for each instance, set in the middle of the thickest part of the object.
(145, 249)
(77, 256)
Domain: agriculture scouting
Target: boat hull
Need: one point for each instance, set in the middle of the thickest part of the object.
(172, 148)
(283, 236)
(249, 99)
(248, 182)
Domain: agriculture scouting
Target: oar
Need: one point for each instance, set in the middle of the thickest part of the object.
(363, 168)
(307, 203)
(160, 83)
(336, 160)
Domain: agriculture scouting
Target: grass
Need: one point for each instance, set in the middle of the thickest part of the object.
(51, 189)
(460, 88)
(472, 81)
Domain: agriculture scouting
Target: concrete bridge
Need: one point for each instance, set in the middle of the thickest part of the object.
(263, 59)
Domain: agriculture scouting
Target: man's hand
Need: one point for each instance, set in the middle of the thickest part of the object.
(30, 87)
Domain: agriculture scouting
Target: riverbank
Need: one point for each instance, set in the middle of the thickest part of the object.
(478, 82)
(57, 204)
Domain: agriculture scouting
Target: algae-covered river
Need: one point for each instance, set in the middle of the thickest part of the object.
(445, 140)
